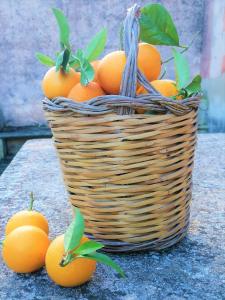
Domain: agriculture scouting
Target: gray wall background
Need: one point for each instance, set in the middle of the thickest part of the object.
(28, 26)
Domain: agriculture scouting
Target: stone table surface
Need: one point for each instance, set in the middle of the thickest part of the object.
(193, 269)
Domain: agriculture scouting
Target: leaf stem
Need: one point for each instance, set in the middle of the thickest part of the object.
(163, 74)
(185, 48)
(31, 201)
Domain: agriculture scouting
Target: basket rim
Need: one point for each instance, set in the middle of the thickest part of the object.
(110, 103)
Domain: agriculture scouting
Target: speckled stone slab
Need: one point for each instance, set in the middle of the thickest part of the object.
(193, 269)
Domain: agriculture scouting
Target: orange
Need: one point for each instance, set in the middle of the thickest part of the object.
(82, 93)
(149, 61)
(95, 65)
(75, 273)
(110, 71)
(24, 249)
(27, 217)
(56, 84)
(111, 67)
(165, 87)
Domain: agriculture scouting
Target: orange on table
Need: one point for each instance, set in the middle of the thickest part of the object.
(82, 93)
(111, 67)
(58, 83)
(75, 273)
(27, 217)
(24, 249)
(95, 65)
(166, 87)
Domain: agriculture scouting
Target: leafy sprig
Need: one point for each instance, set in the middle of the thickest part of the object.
(73, 249)
(96, 46)
(185, 85)
(80, 60)
(64, 30)
(84, 67)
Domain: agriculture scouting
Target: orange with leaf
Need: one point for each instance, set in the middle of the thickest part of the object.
(71, 68)
(59, 83)
(74, 273)
(71, 258)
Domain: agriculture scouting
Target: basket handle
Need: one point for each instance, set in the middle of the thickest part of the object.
(132, 74)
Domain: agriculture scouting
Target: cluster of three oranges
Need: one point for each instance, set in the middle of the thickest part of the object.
(27, 248)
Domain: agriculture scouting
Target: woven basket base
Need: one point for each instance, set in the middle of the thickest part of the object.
(114, 246)
(120, 247)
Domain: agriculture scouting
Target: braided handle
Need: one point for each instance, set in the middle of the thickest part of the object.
(131, 72)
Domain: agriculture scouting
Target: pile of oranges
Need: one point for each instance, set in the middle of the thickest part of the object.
(27, 248)
(108, 76)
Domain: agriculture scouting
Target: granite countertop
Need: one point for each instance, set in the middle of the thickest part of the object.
(193, 269)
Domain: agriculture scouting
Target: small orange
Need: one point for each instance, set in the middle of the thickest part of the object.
(110, 71)
(165, 87)
(58, 84)
(95, 65)
(111, 67)
(82, 93)
(24, 249)
(75, 273)
(149, 61)
(27, 217)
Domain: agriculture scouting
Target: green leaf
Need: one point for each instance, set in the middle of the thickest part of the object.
(85, 68)
(195, 86)
(157, 27)
(87, 73)
(182, 70)
(66, 57)
(67, 68)
(64, 30)
(74, 232)
(88, 247)
(102, 258)
(74, 61)
(45, 60)
(62, 60)
(96, 46)
(59, 60)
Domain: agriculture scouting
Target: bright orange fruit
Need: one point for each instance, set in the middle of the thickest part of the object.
(24, 249)
(165, 87)
(111, 67)
(82, 93)
(58, 84)
(75, 273)
(27, 217)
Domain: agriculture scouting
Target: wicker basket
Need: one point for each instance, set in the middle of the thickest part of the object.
(130, 174)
